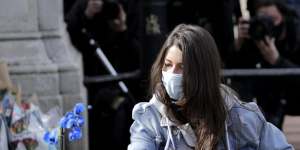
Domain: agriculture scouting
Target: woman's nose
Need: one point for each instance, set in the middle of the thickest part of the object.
(175, 70)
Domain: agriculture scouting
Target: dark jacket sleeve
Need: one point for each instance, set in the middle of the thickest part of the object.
(76, 23)
(285, 63)
(289, 49)
(291, 59)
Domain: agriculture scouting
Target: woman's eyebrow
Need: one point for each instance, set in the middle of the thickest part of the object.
(168, 60)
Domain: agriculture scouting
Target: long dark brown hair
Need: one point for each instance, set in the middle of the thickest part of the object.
(202, 105)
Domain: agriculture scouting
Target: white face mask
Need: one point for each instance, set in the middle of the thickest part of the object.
(173, 84)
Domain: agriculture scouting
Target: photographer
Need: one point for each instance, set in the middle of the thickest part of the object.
(106, 22)
(270, 39)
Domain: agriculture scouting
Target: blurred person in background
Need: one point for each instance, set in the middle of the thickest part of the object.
(67, 6)
(270, 39)
(105, 21)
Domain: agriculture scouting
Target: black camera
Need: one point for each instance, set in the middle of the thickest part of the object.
(110, 10)
(261, 26)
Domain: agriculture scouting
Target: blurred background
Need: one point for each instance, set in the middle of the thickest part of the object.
(100, 52)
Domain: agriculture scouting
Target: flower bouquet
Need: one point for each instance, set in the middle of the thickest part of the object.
(23, 122)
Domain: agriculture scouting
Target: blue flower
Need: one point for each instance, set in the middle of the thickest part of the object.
(51, 137)
(75, 134)
(69, 115)
(63, 122)
(71, 123)
(80, 121)
(79, 108)
(46, 136)
(72, 136)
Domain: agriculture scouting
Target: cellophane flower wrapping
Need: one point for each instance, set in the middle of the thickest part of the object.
(25, 123)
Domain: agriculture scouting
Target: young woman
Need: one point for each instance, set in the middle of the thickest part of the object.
(191, 109)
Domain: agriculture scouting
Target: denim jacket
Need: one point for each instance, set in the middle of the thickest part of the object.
(245, 129)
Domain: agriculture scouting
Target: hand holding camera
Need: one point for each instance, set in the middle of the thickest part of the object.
(268, 49)
(93, 7)
(257, 28)
(262, 30)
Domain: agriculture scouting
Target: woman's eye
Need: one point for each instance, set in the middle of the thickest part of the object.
(181, 66)
(167, 65)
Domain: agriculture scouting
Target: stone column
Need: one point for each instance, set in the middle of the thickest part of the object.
(32, 43)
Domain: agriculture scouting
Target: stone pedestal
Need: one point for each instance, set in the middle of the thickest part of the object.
(39, 59)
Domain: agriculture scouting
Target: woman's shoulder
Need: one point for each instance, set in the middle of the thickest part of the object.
(247, 113)
(142, 108)
(148, 115)
(246, 121)
(239, 108)
(148, 110)
(249, 127)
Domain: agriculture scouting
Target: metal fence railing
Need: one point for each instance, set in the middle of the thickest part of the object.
(273, 72)
(227, 73)
(112, 78)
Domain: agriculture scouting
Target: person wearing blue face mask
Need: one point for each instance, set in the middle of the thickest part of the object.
(172, 73)
(191, 109)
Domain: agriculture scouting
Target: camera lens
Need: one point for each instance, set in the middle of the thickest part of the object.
(261, 26)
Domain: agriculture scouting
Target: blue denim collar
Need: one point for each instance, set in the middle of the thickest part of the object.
(186, 129)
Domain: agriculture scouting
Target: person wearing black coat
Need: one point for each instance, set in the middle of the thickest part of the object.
(278, 49)
(106, 22)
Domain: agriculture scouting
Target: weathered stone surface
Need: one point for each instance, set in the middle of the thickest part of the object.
(34, 44)
(42, 84)
(50, 13)
(24, 52)
(18, 16)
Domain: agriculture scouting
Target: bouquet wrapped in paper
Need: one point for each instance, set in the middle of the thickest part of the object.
(26, 123)
(22, 123)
